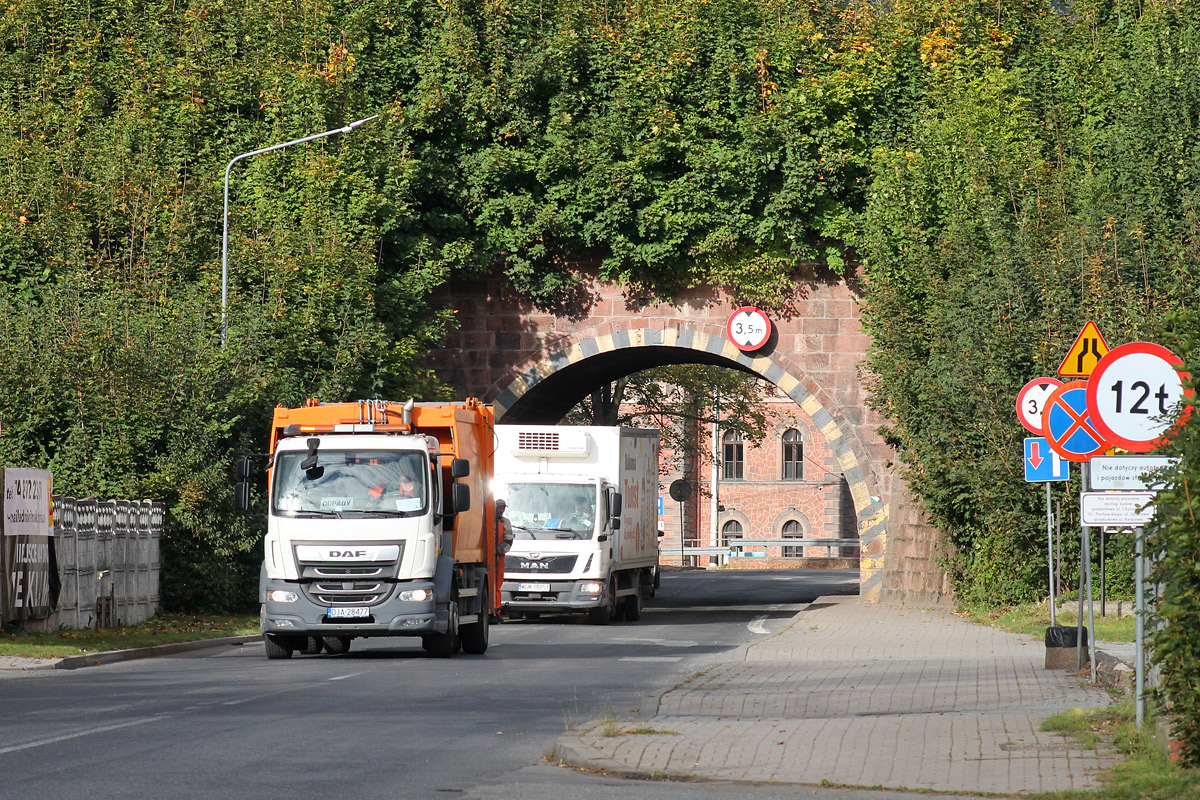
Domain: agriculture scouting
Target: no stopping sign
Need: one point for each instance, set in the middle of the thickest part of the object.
(1133, 392)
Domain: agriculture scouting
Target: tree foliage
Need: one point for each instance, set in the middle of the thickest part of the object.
(680, 402)
(1173, 546)
(1047, 176)
(998, 174)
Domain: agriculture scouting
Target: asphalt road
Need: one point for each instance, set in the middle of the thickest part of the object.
(385, 720)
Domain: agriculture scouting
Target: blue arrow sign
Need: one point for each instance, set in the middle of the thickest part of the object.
(1043, 464)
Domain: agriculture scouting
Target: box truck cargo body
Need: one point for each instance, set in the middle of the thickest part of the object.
(582, 501)
(379, 523)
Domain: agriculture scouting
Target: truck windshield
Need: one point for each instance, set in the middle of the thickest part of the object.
(359, 483)
(551, 510)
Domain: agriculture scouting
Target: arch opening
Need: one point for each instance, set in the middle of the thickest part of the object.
(547, 388)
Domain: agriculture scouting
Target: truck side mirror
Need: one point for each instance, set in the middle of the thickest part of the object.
(241, 496)
(245, 468)
(310, 462)
(615, 504)
(460, 468)
(461, 497)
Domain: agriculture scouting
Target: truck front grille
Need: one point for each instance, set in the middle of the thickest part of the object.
(347, 593)
(543, 565)
(349, 583)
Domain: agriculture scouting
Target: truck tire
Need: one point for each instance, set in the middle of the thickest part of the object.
(633, 606)
(602, 615)
(337, 645)
(475, 635)
(618, 603)
(313, 646)
(277, 646)
(444, 645)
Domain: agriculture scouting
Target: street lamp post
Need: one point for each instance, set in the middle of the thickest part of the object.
(225, 217)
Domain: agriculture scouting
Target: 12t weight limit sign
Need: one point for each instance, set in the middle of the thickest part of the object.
(1132, 393)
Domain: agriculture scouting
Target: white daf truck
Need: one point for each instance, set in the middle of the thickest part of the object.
(582, 502)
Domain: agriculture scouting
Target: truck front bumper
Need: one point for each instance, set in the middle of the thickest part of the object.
(391, 617)
(527, 595)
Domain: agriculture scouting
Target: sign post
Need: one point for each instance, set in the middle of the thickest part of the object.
(1043, 465)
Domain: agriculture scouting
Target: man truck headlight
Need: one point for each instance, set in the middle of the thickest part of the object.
(419, 595)
(282, 596)
(591, 588)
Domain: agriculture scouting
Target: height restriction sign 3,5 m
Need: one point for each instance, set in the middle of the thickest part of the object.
(1066, 425)
(1133, 392)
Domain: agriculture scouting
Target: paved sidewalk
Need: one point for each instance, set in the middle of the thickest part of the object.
(864, 695)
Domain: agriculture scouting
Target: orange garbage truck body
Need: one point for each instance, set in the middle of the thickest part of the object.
(380, 522)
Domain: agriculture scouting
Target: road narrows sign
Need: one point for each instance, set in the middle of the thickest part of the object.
(1133, 391)
(1066, 425)
(1085, 353)
(1032, 399)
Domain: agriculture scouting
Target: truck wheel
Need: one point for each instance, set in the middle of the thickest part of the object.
(313, 646)
(618, 604)
(337, 645)
(633, 606)
(444, 645)
(475, 635)
(603, 614)
(277, 646)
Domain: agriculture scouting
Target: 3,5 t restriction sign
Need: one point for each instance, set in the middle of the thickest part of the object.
(1132, 393)
(748, 328)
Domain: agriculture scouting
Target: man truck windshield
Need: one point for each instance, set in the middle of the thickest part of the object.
(368, 483)
(551, 510)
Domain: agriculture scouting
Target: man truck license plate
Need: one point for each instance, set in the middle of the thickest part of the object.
(534, 587)
(356, 611)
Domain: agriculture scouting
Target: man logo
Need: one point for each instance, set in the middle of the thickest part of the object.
(533, 566)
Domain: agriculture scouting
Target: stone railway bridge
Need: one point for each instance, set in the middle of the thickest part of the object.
(534, 365)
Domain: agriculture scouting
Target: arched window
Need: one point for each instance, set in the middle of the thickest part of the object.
(793, 455)
(792, 530)
(731, 455)
(730, 530)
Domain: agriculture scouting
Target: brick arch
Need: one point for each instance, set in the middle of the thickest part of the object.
(706, 343)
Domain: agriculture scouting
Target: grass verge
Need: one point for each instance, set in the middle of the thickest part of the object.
(1034, 618)
(161, 629)
(1146, 773)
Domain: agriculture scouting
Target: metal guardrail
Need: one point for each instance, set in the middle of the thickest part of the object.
(737, 546)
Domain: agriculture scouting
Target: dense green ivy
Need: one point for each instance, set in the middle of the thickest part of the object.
(1173, 546)
(1048, 176)
(998, 174)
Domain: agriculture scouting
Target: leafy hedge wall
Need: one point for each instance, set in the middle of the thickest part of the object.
(1050, 176)
(1000, 174)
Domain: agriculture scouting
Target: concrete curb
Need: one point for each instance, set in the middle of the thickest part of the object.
(115, 656)
(18, 664)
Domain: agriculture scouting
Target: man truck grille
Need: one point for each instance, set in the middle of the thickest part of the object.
(543, 565)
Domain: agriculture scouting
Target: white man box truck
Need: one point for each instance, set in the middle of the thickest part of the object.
(583, 504)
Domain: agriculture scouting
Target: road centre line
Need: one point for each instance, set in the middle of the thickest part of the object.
(89, 732)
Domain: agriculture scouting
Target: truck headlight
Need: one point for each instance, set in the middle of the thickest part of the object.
(591, 588)
(282, 596)
(419, 595)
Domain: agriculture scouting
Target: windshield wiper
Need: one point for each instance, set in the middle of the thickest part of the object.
(309, 512)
